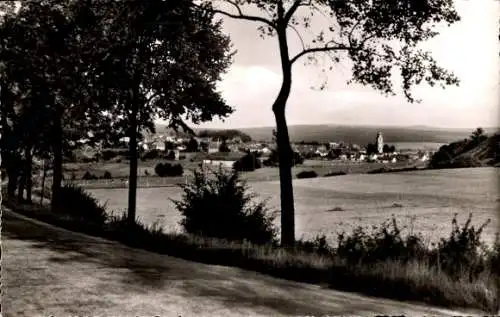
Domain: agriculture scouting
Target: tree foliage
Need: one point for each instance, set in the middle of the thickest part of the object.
(109, 68)
(380, 39)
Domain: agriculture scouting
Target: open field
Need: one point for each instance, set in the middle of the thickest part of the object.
(428, 198)
(120, 171)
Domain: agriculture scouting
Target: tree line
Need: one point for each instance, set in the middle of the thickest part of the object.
(105, 70)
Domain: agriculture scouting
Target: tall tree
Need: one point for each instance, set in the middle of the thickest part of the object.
(45, 59)
(378, 37)
(160, 59)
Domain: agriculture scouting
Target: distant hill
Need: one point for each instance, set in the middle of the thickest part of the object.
(470, 152)
(212, 133)
(361, 134)
(224, 134)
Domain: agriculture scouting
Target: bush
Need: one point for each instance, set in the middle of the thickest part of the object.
(385, 242)
(463, 251)
(107, 175)
(247, 163)
(78, 204)
(335, 174)
(461, 254)
(108, 155)
(220, 207)
(318, 245)
(307, 174)
(273, 159)
(153, 154)
(89, 176)
(166, 169)
(159, 170)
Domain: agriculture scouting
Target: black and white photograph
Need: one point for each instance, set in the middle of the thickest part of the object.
(250, 158)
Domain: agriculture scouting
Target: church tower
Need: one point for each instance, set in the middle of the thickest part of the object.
(380, 143)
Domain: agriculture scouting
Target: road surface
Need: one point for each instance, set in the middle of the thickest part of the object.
(51, 271)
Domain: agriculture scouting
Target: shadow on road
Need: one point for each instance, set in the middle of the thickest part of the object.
(233, 288)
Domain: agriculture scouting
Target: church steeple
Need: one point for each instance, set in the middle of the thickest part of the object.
(380, 143)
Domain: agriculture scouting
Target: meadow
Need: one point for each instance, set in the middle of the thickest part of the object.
(425, 201)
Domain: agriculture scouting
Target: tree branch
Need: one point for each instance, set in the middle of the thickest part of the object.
(241, 16)
(299, 36)
(325, 48)
(293, 9)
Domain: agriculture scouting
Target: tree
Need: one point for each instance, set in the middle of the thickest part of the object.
(223, 147)
(378, 37)
(44, 65)
(192, 145)
(161, 59)
(478, 135)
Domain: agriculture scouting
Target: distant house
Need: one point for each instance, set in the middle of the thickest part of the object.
(225, 160)
(143, 145)
(213, 147)
(181, 148)
(322, 151)
(424, 157)
(373, 157)
(159, 145)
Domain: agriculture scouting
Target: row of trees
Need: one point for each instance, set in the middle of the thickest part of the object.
(104, 69)
(105, 66)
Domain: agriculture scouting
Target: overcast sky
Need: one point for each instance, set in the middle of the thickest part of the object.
(469, 48)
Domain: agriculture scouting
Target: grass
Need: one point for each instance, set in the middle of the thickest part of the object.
(413, 280)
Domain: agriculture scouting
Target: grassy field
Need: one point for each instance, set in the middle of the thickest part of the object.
(424, 200)
(120, 170)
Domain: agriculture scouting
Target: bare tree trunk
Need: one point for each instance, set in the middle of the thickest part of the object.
(283, 139)
(286, 186)
(43, 183)
(12, 173)
(132, 184)
(29, 172)
(22, 182)
(58, 161)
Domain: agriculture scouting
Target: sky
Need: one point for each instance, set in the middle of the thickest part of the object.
(470, 48)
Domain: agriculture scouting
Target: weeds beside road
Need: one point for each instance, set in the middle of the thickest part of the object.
(413, 280)
(52, 271)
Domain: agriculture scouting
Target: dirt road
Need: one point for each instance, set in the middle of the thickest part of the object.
(51, 271)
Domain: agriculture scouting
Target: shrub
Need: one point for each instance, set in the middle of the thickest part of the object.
(78, 204)
(167, 169)
(89, 176)
(159, 170)
(318, 245)
(335, 174)
(307, 174)
(107, 175)
(462, 251)
(220, 207)
(175, 170)
(273, 159)
(383, 243)
(170, 155)
(108, 155)
(247, 163)
(149, 155)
